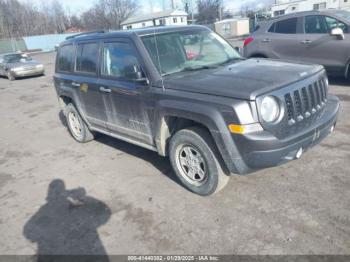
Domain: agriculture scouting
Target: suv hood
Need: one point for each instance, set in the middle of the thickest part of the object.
(245, 79)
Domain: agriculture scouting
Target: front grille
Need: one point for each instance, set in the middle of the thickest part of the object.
(305, 101)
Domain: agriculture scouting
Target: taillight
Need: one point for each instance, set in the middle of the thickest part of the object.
(248, 41)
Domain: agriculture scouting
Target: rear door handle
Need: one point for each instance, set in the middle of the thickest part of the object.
(75, 84)
(105, 90)
(306, 42)
(266, 40)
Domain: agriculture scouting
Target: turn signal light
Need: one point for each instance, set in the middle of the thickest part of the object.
(236, 129)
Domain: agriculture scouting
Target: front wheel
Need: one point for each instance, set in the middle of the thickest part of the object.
(10, 76)
(196, 161)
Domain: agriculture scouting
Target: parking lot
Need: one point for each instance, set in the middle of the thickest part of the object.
(131, 203)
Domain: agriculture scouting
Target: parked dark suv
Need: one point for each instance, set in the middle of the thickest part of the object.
(185, 93)
(318, 37)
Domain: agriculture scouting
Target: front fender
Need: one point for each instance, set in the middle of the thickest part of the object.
(208, 116)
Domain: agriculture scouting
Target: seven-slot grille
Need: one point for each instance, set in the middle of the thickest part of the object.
(304, 102)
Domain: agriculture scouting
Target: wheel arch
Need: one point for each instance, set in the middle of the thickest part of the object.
(174, 116)
(65, 98)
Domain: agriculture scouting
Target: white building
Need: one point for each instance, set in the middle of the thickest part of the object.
(232, 27)
(290, 6)
(170, 17)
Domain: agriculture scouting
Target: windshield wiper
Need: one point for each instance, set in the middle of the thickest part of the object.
(190, 68)
(232, 60)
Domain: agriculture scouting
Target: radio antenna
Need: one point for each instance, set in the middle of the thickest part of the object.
(158, 58)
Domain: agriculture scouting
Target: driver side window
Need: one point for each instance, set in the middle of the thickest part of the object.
(119, 61)
(335, 23)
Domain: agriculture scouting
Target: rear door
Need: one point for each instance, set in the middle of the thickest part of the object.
(86, 81)
(283, 38)
(319, 47)
(126, 99)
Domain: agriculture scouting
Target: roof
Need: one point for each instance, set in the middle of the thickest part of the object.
(231, 20)
(147, 17)
(288, 3)
(139, 32)
(304, 13)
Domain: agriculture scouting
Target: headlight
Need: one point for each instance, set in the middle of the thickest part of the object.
(269, 109)
(17, 69)
(39, 66)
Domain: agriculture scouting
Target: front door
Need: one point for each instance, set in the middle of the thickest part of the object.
(126, 98)
(319, 47)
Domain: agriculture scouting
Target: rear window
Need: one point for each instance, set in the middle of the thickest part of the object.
(65, 58)
(87, 56)
(287, 26)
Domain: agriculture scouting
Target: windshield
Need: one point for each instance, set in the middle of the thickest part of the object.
(343, 14)
(15, 58)
(183, 51)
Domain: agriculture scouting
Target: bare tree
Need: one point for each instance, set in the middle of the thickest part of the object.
(19, 19)
(209, 11)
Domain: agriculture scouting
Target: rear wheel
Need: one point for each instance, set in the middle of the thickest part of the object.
(77, 127)
(196, 162)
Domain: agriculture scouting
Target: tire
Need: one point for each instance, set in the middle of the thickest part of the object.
(76, 126)
(194, 147)
(10, 76)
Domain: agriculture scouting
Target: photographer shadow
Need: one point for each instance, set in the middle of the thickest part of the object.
(66, 225)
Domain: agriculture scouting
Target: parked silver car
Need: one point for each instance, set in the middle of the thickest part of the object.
(13, 65)
(318, 37)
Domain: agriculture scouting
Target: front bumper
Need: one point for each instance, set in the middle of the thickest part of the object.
(265, 150)
(28, 72)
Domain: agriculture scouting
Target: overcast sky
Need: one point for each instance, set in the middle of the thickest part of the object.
(79, 6)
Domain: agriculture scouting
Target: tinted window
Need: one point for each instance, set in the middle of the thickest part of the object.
(334, 23)
(288, 26)
(87, 56)
(315, 25)
(119, 60)
(65, 58)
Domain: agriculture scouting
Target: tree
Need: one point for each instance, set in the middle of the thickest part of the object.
(19, 19)
(209, 11)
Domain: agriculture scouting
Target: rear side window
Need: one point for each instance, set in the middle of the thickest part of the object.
(287, 26)
(87, 57)
(65, 58)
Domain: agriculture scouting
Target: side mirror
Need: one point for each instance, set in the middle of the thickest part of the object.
(338, 32)
(137, 75)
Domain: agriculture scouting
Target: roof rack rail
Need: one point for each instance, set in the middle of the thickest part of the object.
(86, 33)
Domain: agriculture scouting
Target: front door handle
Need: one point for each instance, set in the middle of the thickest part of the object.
(306, 42)
(266, 40)
(105, 90)
(75, 84)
